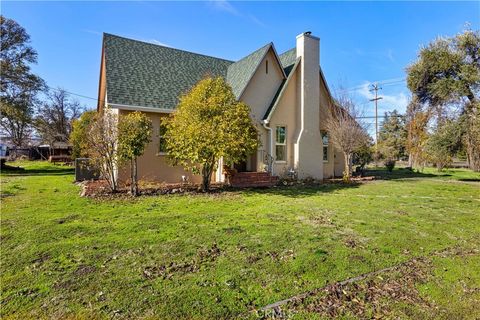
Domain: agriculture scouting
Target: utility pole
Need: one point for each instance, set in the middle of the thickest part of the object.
(375, 87)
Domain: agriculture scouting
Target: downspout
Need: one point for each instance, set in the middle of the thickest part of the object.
(265, 124)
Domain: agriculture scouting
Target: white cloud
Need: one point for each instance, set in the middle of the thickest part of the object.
(155, 41)
(98, 33)
(226, 6)
(372, 54)
(390, 55)
(388, 102)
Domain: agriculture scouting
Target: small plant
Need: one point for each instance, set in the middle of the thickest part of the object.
(390, 164)
(134, 133)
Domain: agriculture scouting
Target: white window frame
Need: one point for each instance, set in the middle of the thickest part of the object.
(281, 144)
(324, 133)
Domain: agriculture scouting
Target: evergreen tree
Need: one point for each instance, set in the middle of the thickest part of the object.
(392, 137)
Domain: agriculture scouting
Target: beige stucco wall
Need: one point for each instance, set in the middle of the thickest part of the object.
(335, 164)
(102, 85)
(262, 87)
(258, 95)
(153, 166)
(286, 114)
(328, 166)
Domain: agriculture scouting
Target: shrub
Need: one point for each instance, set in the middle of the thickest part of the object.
(390, 164)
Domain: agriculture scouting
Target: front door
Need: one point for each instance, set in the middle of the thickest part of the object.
(241, 166)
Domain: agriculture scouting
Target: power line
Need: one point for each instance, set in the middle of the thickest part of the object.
(387, 82)
(389, 116)
(72, 93)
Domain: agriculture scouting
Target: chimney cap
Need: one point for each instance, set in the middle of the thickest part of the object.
(307, 34)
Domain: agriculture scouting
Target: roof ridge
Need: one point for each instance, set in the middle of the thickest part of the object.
(255, 51)
(288, 51)
(240, 73)
(167, 47)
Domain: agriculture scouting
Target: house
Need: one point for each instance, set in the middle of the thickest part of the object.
(287, 93)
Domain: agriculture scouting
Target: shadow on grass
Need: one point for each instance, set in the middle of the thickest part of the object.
(470, 179)
(401, 173)
(299, 191)
(12, 171)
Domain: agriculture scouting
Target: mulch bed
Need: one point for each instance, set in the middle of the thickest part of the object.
(101, 189)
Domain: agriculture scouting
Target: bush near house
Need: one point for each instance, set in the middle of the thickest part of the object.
(134, 133)
(209, 123)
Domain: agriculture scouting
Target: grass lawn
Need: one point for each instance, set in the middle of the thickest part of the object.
(222, 255)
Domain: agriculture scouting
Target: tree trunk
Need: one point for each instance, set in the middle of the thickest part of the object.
(135, 178)
(472, 136)
(473, 153)
(206, 176)
(347, 173)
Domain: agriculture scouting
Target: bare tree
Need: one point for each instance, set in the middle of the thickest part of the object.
(54, 119)
(102, 142)
(346, 132)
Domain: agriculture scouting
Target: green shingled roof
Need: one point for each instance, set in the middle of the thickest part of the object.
(148, 75)
(287, 59)
(240, 72)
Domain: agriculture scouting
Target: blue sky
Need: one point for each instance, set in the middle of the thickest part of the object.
(361, 42)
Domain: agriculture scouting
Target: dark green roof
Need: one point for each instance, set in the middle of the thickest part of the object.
(143, 74)
(240, 72)
(288, 59)
(149, 75)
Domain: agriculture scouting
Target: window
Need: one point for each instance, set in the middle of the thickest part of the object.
(162, 147)
(325, 146)
(266, 66)
(281, 143)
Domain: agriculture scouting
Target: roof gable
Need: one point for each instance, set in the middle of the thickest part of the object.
(278, 96)
(240, 72)
(149, 75)
(289, 63)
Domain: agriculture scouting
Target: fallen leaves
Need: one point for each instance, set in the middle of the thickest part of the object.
(167, 271)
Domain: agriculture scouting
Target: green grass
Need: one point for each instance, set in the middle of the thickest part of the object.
(221, 255)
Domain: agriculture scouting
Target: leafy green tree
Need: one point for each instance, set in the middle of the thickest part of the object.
(79, 134)
(392, 137)
(444, 143)
(446, 75)
(209, 123)
(18, 85)
(363, 155)
(134, 133)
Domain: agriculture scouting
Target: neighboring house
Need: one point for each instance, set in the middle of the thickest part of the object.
(287, 93)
